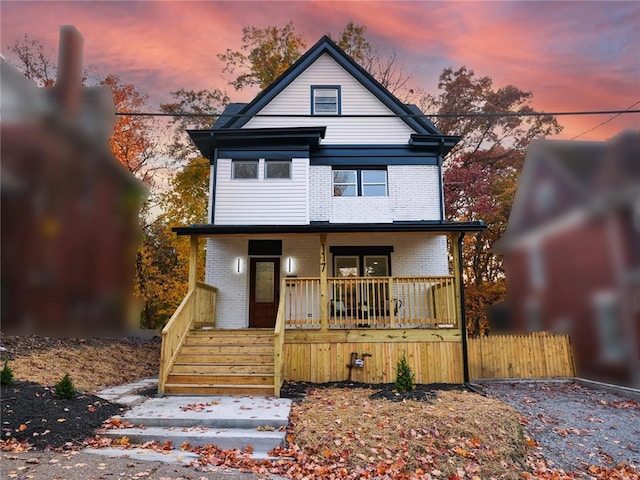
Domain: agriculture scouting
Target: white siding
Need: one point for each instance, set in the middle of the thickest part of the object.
(355, 99)
(320, 193)
(263, 201)
(414, 194)
(233, 287)
(414, 255)
(414, 191)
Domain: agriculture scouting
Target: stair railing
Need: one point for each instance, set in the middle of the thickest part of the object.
(173, 335)
(278, 343)
(199, 305)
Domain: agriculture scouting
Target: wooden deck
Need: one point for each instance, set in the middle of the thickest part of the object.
(313, 344)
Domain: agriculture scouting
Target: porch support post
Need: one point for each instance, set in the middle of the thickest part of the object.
(324, 297)
(193, 262)
(456, 246)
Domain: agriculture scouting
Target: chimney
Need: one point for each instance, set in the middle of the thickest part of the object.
(69, 79)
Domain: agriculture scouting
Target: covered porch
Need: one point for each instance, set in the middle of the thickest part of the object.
(323, 322)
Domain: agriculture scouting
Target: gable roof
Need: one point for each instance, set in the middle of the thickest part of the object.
(410, 114)
(593, 176)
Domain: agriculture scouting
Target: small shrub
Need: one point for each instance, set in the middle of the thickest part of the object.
(404, 376)
(6, 374)
(65, 388)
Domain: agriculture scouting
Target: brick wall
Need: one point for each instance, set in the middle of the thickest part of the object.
(413, 194)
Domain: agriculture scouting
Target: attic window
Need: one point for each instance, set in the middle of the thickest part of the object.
(325, 100)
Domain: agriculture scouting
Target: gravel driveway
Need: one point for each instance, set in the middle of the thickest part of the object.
(575, 426)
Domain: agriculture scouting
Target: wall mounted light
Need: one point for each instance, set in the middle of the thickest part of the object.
(238, 265)
(289, 265)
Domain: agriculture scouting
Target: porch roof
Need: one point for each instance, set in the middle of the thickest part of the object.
(426, 226)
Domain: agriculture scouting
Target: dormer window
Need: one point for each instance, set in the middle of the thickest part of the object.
(325, 100)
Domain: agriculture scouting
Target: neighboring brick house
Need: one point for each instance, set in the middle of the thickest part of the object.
(326, 212)
(572, 251)
(69, 209)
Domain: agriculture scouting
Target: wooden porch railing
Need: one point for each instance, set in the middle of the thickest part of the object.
(278, 344)
(378, 302)
(198, 306)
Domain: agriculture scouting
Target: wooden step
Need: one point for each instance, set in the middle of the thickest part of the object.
(232, 333)
(224, 362)
(215, 349)
(216, 368)
(228, 339)
(208, 389)
(219, 379)
(228, 359)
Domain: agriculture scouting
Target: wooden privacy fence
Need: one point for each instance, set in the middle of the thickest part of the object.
(536, 355)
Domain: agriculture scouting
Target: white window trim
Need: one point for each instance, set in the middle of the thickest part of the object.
(250, 179)
(336, 88)
(278, 161)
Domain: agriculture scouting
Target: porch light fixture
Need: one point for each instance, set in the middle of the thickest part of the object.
(289, 265)
(238, 265)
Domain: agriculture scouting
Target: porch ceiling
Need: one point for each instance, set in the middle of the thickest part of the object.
(395, 227)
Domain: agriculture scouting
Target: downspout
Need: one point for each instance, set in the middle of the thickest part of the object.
(463, 319)
(440, 181)
(212, 191)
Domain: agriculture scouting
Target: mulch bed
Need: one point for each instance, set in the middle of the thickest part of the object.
(383, 391)
(32, 413)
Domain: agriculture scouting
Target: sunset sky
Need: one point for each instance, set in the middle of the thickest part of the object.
(574, 56)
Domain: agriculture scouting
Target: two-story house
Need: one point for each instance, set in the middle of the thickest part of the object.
(327, 248)
(572, 251)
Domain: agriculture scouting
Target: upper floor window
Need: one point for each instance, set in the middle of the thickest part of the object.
(325, 100)
(245, 169)
(261, 169)
(360, 182)
(277, 169)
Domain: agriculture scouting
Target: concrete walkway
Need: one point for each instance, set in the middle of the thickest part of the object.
(230, 422)
(38, 465)
(171, 413)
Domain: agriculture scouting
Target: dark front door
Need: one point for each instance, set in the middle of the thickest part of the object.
(264, 292)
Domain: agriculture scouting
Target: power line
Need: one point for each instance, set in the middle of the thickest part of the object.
(616, 113)
(606, 121)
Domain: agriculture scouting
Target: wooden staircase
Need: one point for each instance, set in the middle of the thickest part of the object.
(221, 362)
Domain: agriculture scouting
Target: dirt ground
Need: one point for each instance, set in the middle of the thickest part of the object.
(536, 430)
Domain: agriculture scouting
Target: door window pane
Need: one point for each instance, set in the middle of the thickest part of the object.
(264, 282)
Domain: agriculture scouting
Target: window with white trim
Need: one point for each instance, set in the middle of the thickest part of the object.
(325, 100)
(277, 169)
(245, 169)
(360, 182)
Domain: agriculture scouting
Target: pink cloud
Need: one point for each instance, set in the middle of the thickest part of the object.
(573, 56)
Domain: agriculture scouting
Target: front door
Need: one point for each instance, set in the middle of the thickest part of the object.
(264, 292)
